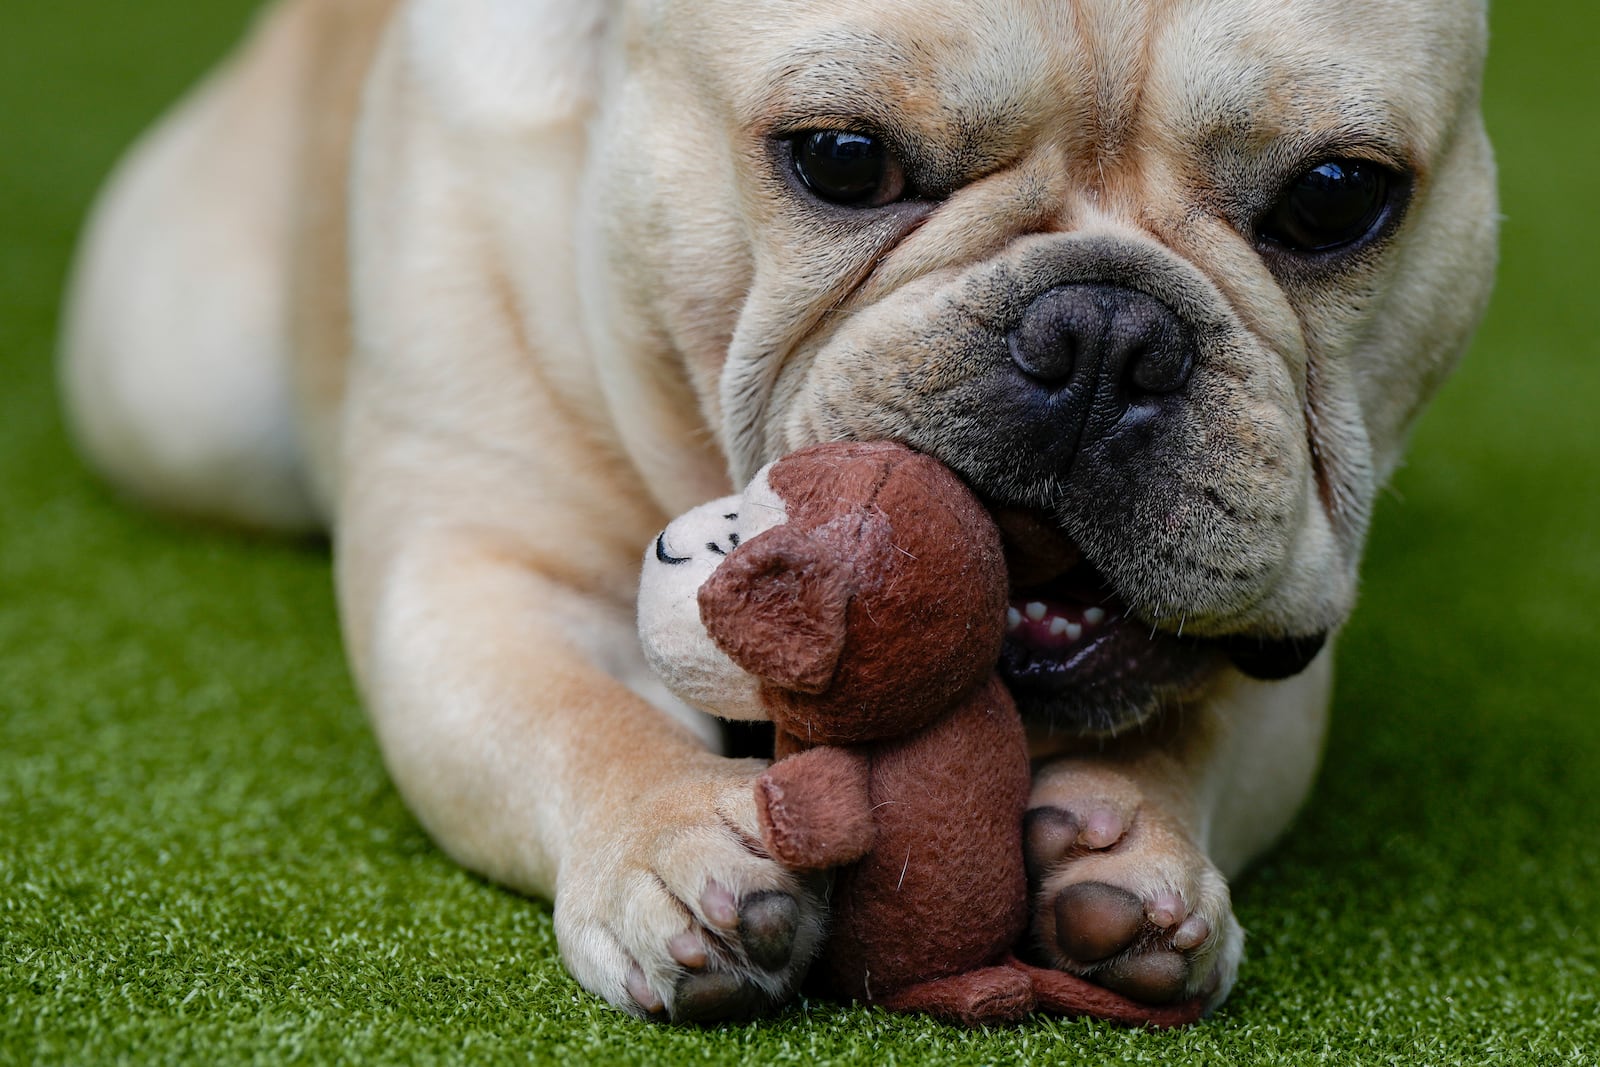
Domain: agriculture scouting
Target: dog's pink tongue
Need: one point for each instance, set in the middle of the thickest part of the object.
(1052, 625)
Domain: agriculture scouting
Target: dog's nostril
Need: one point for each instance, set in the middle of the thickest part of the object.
(1042, 350)
(1160, 368)
(1160, 374)
(1158, 358)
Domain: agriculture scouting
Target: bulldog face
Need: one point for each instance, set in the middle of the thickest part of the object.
(1166, 282)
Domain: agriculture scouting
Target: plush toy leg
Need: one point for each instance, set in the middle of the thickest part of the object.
(975, 998)
(1060, 993)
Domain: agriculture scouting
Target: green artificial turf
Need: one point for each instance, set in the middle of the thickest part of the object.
(202, 861)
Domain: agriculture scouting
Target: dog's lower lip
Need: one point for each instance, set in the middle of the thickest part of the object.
(1034, 665)
(1109, 679)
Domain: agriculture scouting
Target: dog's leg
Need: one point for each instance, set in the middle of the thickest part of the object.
(489, 536)
(189, 298)
(175, 363)
(492, 689)
(1130, 847)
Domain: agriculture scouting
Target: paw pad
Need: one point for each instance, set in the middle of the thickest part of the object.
(1095, 920)
(716, 984)
(767, 924)
(1123, 899)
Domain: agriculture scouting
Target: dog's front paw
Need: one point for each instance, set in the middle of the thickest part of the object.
(1122, 896)
(671, 909)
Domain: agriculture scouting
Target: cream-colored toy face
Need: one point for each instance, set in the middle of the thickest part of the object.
(676, 564)
(1171, 278)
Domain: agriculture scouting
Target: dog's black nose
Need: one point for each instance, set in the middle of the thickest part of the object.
(1118, 345)
(1091, 365)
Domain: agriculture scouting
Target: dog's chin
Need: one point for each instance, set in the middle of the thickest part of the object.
(1077, 659)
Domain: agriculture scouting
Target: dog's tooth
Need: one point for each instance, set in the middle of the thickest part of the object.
(1058, 626)
(1036, 611)
(1094, 616)
(1013, 618)
(1074, 631)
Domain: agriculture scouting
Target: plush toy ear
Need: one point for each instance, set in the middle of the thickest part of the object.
(777, 605)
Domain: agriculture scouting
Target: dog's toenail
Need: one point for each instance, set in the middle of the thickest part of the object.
(1192, 934)
(1102, 829)
(1048, 833)
(1166, 910)
(687, 949)
(640, 991)
(719, 907)
(767, 926)
(1095, 920)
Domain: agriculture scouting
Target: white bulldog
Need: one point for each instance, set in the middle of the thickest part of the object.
(491, 288)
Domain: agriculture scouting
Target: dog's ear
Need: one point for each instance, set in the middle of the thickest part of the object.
(777, 607)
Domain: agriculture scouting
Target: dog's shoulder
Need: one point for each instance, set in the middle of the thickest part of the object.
(503, 65)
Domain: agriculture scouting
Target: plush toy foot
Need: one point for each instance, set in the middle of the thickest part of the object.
(1060, 993)
(1122, 896)
(975, 998)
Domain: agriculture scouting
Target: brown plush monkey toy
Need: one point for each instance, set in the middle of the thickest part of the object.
(855, 594)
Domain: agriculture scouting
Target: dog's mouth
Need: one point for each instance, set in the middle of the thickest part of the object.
(1078, 660)
(1075, 658)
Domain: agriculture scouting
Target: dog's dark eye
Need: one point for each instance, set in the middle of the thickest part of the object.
(848, 168)
(1330, 206)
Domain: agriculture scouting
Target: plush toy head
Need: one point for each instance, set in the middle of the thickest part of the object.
(680, 560)
(852, 592)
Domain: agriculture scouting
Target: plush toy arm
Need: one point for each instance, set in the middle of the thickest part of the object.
(814, 808)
